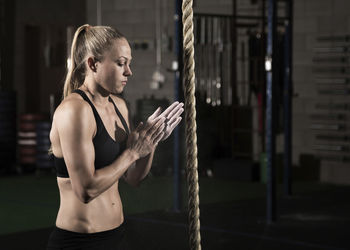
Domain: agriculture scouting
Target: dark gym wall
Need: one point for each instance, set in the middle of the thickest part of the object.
(40, 45)
(7, 49)
(314, 19)
(32, 69)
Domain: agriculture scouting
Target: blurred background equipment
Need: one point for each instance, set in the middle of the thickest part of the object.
(28, 141)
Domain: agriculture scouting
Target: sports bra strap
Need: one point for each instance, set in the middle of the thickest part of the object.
(120, 116)
(86, 98)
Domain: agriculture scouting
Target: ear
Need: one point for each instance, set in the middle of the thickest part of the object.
(92, 64)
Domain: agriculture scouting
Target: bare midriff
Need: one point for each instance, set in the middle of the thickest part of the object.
(103, 213)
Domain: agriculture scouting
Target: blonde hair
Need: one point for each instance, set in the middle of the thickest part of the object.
(88, 41)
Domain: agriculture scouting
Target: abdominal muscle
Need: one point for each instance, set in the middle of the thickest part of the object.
(103, 213)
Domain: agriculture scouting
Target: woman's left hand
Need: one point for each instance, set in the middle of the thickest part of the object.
(172, 117)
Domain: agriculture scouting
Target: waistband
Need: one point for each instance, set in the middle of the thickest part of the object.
(119, 229)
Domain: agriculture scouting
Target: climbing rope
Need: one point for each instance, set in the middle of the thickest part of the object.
(191, 127)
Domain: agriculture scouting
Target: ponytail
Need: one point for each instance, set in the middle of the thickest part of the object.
(70, 82)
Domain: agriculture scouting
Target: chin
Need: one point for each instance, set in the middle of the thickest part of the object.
(117, 91)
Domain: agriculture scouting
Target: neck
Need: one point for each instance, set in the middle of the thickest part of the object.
(98, 95)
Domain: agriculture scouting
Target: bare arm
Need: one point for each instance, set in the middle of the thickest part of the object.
(138, 171)
(76, 130)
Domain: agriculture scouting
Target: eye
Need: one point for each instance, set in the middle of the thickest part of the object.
(120, 63)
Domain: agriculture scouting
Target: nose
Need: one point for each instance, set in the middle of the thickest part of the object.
(127, 71)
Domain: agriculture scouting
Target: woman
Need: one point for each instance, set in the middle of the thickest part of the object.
(92, 145)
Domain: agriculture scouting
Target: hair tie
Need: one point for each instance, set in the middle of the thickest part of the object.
(88, 27)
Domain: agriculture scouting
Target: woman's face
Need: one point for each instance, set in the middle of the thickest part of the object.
(113, 70)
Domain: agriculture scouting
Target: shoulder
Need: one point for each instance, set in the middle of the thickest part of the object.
(73, 110)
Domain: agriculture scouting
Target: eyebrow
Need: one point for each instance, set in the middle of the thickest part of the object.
(128, 59)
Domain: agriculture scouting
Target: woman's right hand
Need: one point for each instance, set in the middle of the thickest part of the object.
(146, 137)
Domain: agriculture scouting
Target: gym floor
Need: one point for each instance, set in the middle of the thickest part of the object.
(233, 215)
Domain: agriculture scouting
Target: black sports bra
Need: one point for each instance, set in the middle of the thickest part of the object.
(106, 149)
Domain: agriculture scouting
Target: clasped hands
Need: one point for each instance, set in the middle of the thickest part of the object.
(158, 127)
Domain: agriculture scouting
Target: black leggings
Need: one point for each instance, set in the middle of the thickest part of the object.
(61, 239)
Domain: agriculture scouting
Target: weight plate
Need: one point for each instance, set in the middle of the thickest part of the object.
(26, 127)
(27, 150)
(25, 142)
(30, 146)
(27, 159)
(32, 117)
(24, 135)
